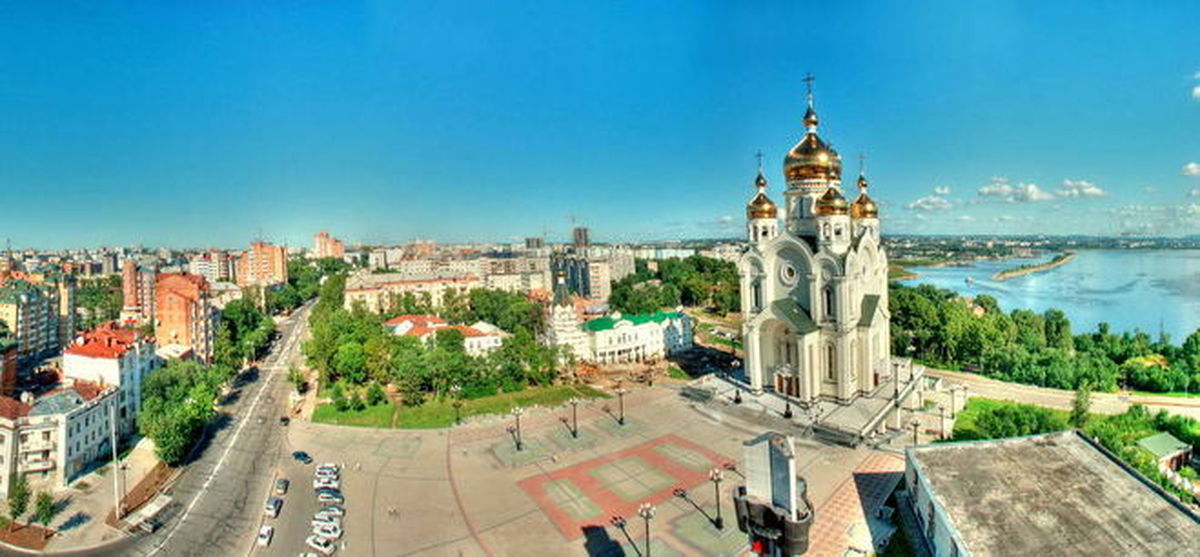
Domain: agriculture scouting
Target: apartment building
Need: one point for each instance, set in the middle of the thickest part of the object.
(31, 314)
(376, 291)
(111, 355)
(325, 245)
(262, 265)
(184, 313)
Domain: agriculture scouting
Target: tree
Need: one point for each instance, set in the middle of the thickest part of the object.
(296, 378)
(44, 508)
(18, 497)
(350, 362)
(375, 394)
(1080, 406)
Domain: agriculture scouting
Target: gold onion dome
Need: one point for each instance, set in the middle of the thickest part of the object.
(761, 207)
(812, 158)
(863, 207)
(831, 203)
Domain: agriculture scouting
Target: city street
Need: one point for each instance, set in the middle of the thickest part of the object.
(218, 501)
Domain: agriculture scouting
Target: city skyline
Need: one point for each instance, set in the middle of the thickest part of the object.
(190, 126)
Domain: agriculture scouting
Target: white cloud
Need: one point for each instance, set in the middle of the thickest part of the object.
(965, 218)
(1196, 92)
(725, 219)
(1080, 188)
(930, 203)
(1194, 193)
(941, 190)
(1000, 188)
(1191, 169)
(1012, 218)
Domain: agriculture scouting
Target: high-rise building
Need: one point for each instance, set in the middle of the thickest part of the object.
(262, 265)
(590, 278)
(214, 266)
(580, 237)
(184, 313)
(815, 287)
(325, 245)
(535, 242)
(137, 291)
(32, 318)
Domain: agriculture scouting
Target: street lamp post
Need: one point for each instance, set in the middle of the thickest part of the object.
(915, 423)
(516, 412)
(714, 476)
(942, 423)
(455, 393)
(620, 403)
(574, 417)
(646, 511)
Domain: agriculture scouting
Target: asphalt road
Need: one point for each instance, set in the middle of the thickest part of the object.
(1105, 403)
(218, 501)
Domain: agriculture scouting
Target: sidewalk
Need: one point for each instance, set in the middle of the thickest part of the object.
(81, 517)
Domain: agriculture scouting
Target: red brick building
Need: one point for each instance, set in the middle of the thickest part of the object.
(184, 314)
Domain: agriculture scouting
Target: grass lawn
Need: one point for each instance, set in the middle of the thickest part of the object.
(440, 413)
(1172, 393)
(379, 415)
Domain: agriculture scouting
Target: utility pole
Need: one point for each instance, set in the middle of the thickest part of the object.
(112, 422)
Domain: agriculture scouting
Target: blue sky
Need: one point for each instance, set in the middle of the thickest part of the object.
(196, 124)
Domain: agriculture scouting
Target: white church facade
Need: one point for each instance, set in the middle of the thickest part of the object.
(814, 282)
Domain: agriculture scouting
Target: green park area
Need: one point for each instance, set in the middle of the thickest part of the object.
(440, 412)
(375, 378)
(944, 330)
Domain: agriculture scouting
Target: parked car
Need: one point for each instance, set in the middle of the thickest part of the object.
(333, 510)
(330, 497)
(326, 520)
(324, 546)
(327, 469)
(264, 536)
(331, 531)
(281, 486)
(302, 457)
(272, 507)
(326, 483)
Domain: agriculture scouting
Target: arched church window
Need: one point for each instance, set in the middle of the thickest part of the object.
(830, 363)
(828, 302)
(757, 297)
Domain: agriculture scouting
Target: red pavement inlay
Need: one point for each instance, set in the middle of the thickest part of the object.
(610, 503)
(851, 502)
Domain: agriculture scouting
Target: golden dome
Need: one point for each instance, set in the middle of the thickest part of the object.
(831, 203)
(811, 158)
(864, 207)
(761, 207)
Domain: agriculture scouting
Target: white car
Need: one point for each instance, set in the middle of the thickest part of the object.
(330, 497)
(324, 546)
(333, 510)
(264, 536)
(326, 520)
(330, 531)
(320, 483)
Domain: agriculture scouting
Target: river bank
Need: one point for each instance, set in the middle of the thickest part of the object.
(1058, 261)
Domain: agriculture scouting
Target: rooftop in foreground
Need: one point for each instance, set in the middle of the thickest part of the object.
(1052, 494)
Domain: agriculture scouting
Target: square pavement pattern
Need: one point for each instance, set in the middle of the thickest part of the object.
(588, 493)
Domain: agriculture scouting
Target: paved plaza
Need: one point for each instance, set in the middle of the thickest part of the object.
(468, 491)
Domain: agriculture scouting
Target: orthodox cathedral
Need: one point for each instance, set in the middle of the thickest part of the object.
(814, 281)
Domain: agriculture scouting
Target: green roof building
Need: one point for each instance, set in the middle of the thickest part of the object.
(1167, 450)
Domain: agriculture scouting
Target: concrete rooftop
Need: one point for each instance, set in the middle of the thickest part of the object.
(1053, 494)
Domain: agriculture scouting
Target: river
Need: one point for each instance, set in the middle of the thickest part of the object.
(1150, 290)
